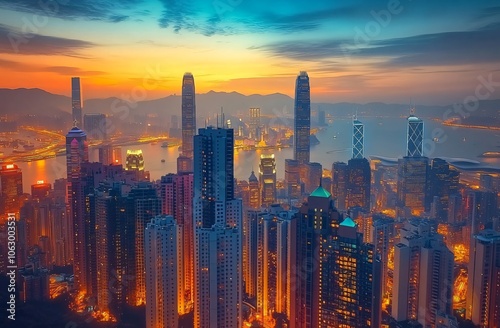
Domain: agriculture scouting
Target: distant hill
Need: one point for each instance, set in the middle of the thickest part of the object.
(21, 102)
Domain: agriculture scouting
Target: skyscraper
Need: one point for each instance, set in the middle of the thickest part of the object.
(415, 137)
(302, 121)
(218, 225)
(358, 139)
(412, 189)
(254, 192)
(188, 117)
(267, 177)
(292, 179)
(76, 155)
(11, 187)
(359, 184)
(423, 275)
(314, 172)
(255, 123)
(76, 100)
(340, 177)
(163, 253)
(444, 182)
(96, 126)
(483, 287)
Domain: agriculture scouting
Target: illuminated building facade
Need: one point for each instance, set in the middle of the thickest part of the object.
(134, 160)
(11, 188)
(254, 125)
(444, 182)
(381, 235)
(423, 275)
(413, 173)
(218, 225)
(359, 184)
(358, 140)
(254, 192)
(163, 256)
(302, 121)
(483, 287)
(177, 200)
(340, 178)
(188, 119)
(76, 100)
(292, 179)
(415, 137)
(41, 189)
(267, 179)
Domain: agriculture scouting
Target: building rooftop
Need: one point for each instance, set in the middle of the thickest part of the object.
(320, 192)
(348, 222)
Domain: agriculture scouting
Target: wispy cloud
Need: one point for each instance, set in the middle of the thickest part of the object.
(13, 41)
(16, 66)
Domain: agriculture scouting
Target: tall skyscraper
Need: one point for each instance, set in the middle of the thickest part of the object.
(292, 179)
(358, 139)
(255, 123)
(76, 100)
(188, 117)
(177, 200)
(340, 178)
(359, 184)
(267, 177)
(255, 199)
(381, 235)
(218, 225)
(415, 137)
(302, 119)
(444, 182)
(483, 287)
(96, 126)
(76, 155)
(163, 255)
(423, 276)
(11, 188)
(413, 173)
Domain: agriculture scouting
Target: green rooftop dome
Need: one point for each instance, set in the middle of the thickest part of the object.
(348, 222)
(320, 192)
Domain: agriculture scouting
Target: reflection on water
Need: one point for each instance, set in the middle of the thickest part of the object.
(386, 140)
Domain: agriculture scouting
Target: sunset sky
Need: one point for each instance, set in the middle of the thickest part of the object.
(356, 51)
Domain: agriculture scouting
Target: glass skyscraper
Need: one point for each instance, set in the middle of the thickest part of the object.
(358, 140)
(76, 100)
(415, 136)
(302, 122)
(188, 116)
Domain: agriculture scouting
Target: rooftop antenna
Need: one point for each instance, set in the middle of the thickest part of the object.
(222, 117)
(217, 121)
(412, 108)
(74, 123)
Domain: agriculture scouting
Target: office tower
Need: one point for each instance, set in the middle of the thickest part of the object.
(177, 200)
(270, 256)
(340, 178)
(381, 234)
(188, 118)
(11, 188)
(163, 254)
(218, 225)
(358, 140)
(314, 172)
(146, 205)
(243, 191)
(267, 179)
(41, 189)
(254, 192)
(359, 184)
(76, 155)
(423, 275)
(249, 252)
(134, 160)
(76, 100)
(96, 126)
(312, 261)
(412, 187)
(184, 164)
(356, 295)
(302, 119)
(415, 137)
(444, 182)
(254, 125)
(292, 179)
(106, 154)
(483, 287)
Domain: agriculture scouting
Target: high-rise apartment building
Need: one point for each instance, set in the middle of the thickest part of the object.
(267, 179)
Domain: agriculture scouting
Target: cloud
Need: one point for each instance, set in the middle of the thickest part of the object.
(481, 45)
(13, 41)
(104, 10)
(31, 68)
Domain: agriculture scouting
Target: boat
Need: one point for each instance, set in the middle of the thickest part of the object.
(163, 161)
(164, 145)
(490, 154)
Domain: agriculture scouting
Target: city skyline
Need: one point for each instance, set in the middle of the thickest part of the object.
(383, 48)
